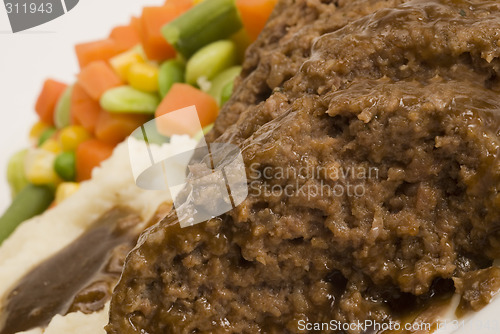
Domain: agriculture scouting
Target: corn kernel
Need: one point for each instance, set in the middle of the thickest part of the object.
(65, 190)
(72, 136)
(144, 77)
(36, 131)
(39, 167)
(51, 145)
(121, 63)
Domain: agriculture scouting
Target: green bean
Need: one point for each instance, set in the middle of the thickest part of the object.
(46, 135)
(31, 201)
(203, 24)
(221, 81)
(226, 93)
(171, 71)
(16, 176)
(62, 114)
(129, 100)
(65, 166)
(210, 61)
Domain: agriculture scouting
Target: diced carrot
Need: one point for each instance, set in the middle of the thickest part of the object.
(152, 20)
(90, 154)
(254, 14)
(184, 121)
(136, 23)
(47, 100)
(125, 36)
(97, 50)
(97, 77)
(181, 96)
(84, 110)
(113, 128)
(179, 2)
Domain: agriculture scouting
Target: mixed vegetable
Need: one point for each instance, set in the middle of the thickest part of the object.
(186, 52)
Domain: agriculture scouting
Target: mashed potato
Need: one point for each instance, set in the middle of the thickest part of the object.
(37, 239)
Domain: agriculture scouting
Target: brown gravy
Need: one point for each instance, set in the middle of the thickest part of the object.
(80, 277)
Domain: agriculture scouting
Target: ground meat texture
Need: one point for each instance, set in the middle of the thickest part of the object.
(282, 48)
(384, 147)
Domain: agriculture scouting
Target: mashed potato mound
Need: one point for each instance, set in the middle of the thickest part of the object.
(37, 239)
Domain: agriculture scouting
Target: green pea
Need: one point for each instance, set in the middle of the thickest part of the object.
(16, 176)
(211, 60)
(62, 114)
(171, 71)
(129, 100)
(46, 135)
(65, 166)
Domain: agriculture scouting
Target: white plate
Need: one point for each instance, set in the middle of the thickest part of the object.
(28, 58)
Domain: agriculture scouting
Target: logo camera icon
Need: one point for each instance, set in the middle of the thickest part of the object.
(205, 181)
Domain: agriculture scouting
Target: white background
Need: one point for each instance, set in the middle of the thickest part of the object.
(28, 58)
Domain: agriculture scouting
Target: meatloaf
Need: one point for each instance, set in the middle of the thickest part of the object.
(370, 132)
